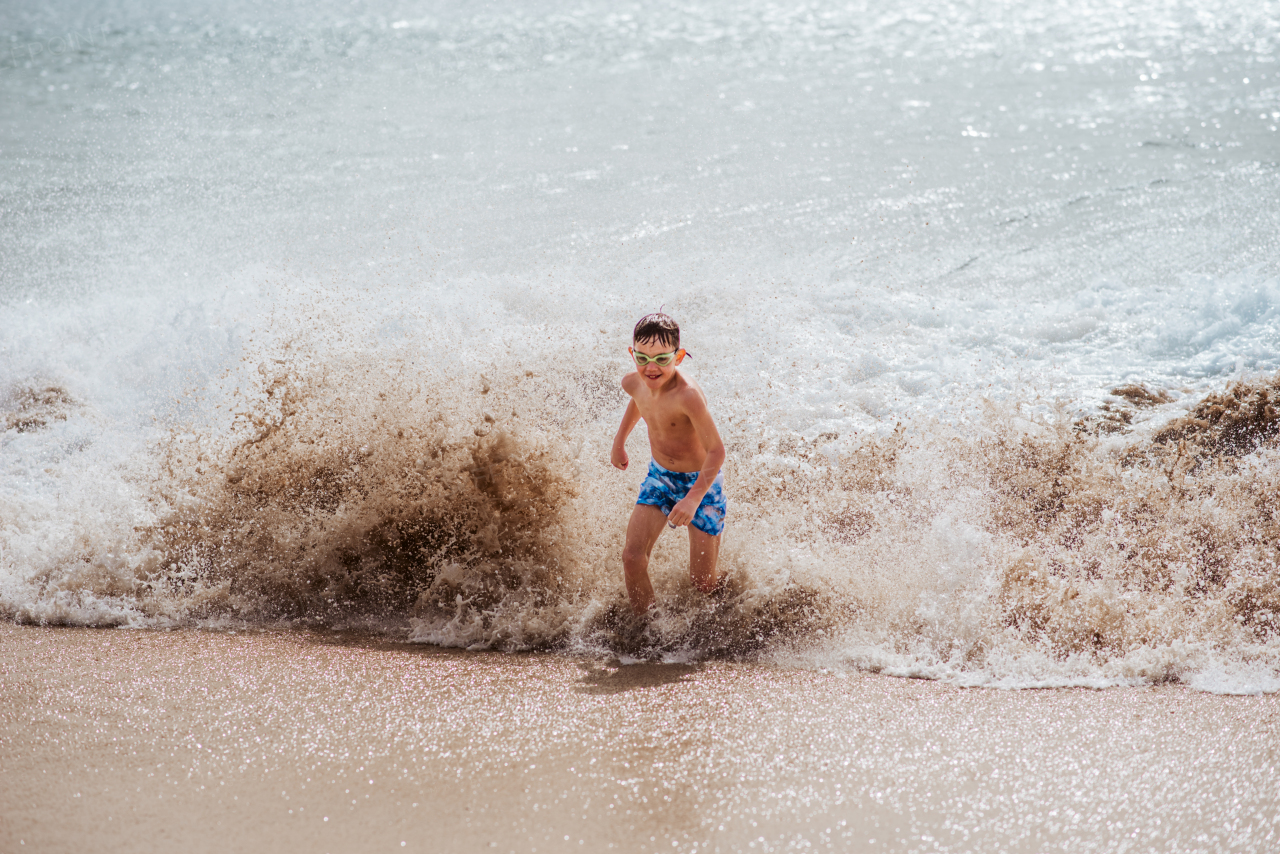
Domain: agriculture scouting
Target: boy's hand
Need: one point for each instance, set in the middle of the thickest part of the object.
(620, 459)
(682, 513)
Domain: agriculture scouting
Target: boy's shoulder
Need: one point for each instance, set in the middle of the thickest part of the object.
(689, 393)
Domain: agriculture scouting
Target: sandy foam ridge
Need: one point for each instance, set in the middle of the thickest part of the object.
(353, 489)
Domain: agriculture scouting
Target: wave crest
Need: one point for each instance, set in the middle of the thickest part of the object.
(330, 503)
(462, 513)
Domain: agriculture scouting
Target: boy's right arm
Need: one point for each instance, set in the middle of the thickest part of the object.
(630, 419)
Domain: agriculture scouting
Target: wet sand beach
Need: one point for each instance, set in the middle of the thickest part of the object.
(138, 741)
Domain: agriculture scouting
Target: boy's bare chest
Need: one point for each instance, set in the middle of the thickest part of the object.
(664, 417)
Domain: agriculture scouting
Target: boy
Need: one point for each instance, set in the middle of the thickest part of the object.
(684, 485)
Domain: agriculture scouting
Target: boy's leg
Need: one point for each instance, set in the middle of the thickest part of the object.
(704, 555)
(646, 524)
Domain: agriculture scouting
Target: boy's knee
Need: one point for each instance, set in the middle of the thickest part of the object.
(634, 556)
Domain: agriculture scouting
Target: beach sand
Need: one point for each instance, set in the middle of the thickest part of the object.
(121, 740)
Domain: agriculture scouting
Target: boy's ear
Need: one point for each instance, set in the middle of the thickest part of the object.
(680, 354)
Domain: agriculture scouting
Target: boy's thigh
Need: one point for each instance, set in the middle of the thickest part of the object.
(645, 526)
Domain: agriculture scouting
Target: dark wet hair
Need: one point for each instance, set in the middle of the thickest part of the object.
(657, 327)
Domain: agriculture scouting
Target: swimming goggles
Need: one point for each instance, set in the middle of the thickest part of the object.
(660, 359)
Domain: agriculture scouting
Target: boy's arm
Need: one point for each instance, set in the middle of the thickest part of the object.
(696, 408)
(630, 419)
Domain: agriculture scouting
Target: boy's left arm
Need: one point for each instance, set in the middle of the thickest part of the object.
(705, 427)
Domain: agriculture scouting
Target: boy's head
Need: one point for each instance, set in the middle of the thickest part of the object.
(655, 347)
(657, 328)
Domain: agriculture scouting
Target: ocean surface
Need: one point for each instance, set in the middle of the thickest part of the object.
(313, 315)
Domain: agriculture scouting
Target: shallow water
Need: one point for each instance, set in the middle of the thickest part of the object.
(269, 270)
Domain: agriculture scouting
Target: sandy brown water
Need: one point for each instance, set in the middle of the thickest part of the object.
(118, 740)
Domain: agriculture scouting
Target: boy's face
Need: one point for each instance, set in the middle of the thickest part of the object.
(655, 375)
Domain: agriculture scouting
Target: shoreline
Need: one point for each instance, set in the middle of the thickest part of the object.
(150, 740)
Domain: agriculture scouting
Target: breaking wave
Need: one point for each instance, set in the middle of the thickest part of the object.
(476, 510)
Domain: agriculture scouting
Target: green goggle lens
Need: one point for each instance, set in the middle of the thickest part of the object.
(661, 359)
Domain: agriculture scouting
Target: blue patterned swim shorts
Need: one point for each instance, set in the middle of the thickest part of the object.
(662, 488)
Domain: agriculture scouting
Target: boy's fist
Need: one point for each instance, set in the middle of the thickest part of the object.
(682, 513)
(620, 458)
